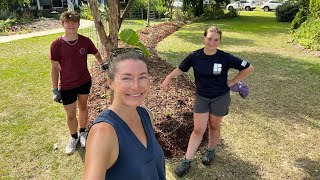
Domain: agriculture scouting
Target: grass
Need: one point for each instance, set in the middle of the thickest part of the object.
(274, 133)
(271, 135)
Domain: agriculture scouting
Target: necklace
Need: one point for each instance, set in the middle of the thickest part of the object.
(72, 44)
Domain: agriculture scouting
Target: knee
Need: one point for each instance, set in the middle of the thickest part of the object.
(214, 127)
(199, 130)
(83, 107)
(71, 116)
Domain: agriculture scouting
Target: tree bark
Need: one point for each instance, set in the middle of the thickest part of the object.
(99, 26)
(113, 22)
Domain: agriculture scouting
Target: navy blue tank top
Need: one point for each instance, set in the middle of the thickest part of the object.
(135, 161)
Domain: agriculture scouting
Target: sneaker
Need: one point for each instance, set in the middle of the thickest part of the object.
(183, 168)
(83, 138)
(72, 146)
(208, 157)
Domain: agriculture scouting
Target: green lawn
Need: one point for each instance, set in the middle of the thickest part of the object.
(274, 134)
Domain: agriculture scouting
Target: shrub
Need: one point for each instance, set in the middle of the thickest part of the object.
(4, 14)
(308, 34)
(232, 13)
(299, 18)
(160, 10)
(314, 6)
(178, 14)
(213, 12)
(85, 12)
(286, 12)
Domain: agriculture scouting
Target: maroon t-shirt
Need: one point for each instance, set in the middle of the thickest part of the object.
(73, 61)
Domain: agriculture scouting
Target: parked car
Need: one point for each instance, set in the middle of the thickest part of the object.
(270, 5)
(243, 4)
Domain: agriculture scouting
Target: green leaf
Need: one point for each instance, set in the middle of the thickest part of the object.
(145, 50)
(129, 37)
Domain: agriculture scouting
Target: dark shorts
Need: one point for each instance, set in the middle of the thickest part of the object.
(71, 95)
(218, 106)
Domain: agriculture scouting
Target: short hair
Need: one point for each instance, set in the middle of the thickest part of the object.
(122, 54)
(212, 29)
(70, 16)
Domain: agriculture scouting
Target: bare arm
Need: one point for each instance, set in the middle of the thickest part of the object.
(99, 58)
(102, 151)
(175, 73)
(241, 75)
(55, 73)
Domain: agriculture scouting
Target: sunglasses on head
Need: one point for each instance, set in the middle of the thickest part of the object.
(114, 53)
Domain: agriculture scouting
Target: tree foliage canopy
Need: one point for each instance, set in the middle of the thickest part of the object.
(10, 5)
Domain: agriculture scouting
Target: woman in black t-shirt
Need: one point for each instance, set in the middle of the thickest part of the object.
(210, 66)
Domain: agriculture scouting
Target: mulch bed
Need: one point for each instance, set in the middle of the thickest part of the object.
(172, 110)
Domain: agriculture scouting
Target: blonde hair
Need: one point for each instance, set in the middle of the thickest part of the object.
(212, 29)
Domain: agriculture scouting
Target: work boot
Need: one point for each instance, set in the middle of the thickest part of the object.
(184, 166)
(208, 157)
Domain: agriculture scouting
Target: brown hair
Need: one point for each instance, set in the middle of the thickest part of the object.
(122, 54)
(70, 16)
(212, 29)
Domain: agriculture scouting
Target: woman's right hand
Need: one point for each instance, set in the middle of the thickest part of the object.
(165, 84)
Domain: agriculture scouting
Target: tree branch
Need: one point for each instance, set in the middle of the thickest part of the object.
(125, 12)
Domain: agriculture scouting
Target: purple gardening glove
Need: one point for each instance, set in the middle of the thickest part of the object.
(242, 88)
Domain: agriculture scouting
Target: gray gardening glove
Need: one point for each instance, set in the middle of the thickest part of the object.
(56, 95)
(104, 66)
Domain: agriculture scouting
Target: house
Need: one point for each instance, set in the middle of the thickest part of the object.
(57, 5)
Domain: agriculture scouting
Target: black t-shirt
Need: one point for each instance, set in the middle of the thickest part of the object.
(211, 71)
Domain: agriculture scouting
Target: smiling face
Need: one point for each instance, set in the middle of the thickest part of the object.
(211, 41)
(130, 83)
(70, 27)
(70, 21)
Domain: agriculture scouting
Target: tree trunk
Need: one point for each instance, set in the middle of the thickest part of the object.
(106, 42)
(113, 23)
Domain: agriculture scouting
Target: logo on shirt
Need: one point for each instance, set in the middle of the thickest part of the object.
(217, 68)
(244, 63)
(82, 50)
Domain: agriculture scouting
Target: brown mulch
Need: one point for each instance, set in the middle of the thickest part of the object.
(172, 110)
(36, 25)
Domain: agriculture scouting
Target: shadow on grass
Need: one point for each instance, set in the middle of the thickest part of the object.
(81, 152)
(226, 166)
(311, 167)
(282, 88)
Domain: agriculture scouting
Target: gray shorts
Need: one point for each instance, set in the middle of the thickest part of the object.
(218, 106)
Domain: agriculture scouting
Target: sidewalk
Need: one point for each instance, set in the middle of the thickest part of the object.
(3, 39)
